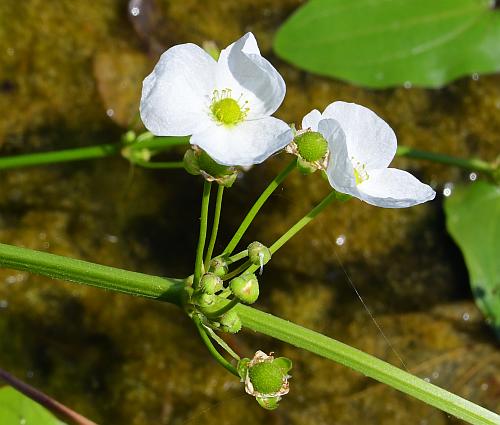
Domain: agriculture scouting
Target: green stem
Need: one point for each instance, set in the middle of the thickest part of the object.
(213, 351)
(160, 143)
(213, 314)
(257, 206)
(171, 290)
(215, 226)
(104, 277)
(298, 226)
(240, 269)
(198, 267)
(366, 364)
(67, 155)
(468, 164)
(237, 257)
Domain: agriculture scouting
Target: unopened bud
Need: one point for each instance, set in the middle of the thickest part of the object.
(191, 164)
(311, 146)
(258, 254)
(210, 283)
(129, 137)
(204, 300)
(230, 322)
(245, 288)
(218, 266)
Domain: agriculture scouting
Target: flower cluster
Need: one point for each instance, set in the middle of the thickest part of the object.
(225, 105)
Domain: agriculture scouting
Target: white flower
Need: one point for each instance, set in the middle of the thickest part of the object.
(361, 147)
(224, 105)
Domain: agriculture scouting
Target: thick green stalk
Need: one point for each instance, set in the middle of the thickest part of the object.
(104, 277)
(198, 267)
(257, 206)
(469, 164)
(298, 226)
(366, 364)
(215, 225)
(171, 290)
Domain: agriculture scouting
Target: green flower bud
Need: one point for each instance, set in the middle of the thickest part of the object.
(210, 283)
(218, 266)
(305, 167)
(147, 135)
(245, 288)
(230, 322)
(129, 137)
(191, 164)
(311, 146)
(258, 253)
(204, 300)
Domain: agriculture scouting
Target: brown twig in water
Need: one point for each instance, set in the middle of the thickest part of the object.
(43, 399)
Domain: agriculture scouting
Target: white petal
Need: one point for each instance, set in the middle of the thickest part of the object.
(247, 143)
(251, 78)
(393, 188)
(340, 171)
(176, 95)
(369, 138)
(311, 120)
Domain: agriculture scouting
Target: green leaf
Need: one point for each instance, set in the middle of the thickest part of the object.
(473, 220)
(382, 43)
(17, 409)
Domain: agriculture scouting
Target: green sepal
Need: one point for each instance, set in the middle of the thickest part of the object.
(284, 363)
(268, 403)
(242, 368)
(305, 167)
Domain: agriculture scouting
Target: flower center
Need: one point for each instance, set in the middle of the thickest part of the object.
(360, 173)
(225, 109)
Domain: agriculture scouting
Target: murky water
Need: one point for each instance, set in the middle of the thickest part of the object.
(70, 76)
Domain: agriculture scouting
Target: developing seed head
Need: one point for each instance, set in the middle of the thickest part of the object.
(266, 378)
(226, 110)
(311, 146)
